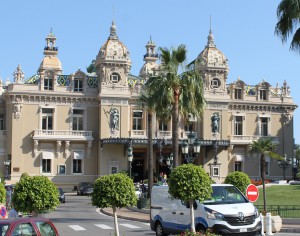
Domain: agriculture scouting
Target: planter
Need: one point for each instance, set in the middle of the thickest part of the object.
(276, 223)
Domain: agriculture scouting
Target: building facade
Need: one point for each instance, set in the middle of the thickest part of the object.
(77, 127)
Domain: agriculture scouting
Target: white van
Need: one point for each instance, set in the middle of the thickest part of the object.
(227, 212)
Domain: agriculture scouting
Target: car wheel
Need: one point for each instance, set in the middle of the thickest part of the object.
(200, 228)
(159, 229)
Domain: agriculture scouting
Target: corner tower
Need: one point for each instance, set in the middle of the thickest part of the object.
(113, 65)
(214, 67)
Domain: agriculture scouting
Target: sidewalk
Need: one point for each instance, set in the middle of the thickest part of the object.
(143, 215)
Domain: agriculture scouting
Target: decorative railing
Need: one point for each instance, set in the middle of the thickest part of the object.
(135, 133)
(247, 139)
(62, 134)
(161, 134)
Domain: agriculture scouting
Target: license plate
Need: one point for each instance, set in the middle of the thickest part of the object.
(243, 230)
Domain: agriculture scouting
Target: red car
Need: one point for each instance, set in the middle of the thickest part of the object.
(28, 226)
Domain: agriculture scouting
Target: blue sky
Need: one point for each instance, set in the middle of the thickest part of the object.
(243, 31)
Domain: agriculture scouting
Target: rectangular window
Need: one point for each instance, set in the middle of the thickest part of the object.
(162, 126)
(238, 94)
(137, 120)
(78, 85)
(61, 169)
(2, 126)
(46, 165)
(77, 119)
(263, 94)
(215, 171)
(264, 126)
(238, 125)
(47, 119)
(48, 83)
(238, 166)
(77, 166)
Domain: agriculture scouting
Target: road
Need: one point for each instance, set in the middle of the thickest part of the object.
(78, 217)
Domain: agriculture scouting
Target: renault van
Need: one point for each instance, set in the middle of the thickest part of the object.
(227, 212)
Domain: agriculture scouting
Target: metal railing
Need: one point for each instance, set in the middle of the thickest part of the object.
(284, 211)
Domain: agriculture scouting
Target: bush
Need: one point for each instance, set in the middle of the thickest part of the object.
(207, 233)
(24, 174)
(35, 195)
(239, 180)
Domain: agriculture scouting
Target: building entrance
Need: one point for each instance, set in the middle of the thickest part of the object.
(137, 168)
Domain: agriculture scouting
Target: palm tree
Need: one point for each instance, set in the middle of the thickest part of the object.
(288, 14)
(174, 93)
(264, 147)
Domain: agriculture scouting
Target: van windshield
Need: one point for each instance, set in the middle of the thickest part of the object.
(225, 195)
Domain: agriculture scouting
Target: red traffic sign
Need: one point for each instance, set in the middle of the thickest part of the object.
(252, 193)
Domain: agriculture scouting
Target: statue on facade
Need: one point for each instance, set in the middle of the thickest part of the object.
(215, 123)
(114, 119)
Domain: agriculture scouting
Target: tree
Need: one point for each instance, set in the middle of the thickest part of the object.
(188, 183)
(35, 195)
(288, 14)
(263, 147)
(239, 180)
(175, 93)
(116, 191)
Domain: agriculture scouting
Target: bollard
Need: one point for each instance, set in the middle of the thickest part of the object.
(262, 224)
(269, 224)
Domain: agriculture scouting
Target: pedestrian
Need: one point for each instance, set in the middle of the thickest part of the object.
(13, 213)
(8, 197)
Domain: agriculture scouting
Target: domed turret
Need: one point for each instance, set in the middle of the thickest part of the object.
(113, 60)
(150, 59)
(113, 49)
(214, 67)
(50, 60)
(113, 63)
(211, 56)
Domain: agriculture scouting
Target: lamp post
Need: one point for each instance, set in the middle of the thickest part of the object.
(161, 158)
(284, 164)
(191, 148)
(6, 164)
(130, 156)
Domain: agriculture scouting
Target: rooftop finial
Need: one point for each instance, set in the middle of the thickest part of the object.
(210, 24)
(210, 38)
(113, 12)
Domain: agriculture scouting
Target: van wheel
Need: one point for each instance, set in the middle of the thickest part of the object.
(159, 229)
(200, 228)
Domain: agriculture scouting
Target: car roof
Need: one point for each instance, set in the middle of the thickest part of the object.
(22, 219)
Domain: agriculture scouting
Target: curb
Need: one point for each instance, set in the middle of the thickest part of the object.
(124, 217)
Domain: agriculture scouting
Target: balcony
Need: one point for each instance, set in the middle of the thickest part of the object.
(138, 133)
(164, 134)
(70, 135)
(248, 139)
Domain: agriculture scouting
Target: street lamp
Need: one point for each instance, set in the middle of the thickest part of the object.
(191, 148)
(284, 164)
(130, 156)
(161, 158)
(6, 164)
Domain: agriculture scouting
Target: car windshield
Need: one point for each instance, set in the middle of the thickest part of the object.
(86, 184)
(3, 228)
(225, 195)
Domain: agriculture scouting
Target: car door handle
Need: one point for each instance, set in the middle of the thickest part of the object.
(181, 213)
(173, 212)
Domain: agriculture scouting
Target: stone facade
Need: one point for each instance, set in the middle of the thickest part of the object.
(78, 127)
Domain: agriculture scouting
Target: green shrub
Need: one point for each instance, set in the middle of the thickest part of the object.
(35, 195)
(189, 233)
(239, 180)
(24, 174)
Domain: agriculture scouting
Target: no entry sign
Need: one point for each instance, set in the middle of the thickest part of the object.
(252, 193)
